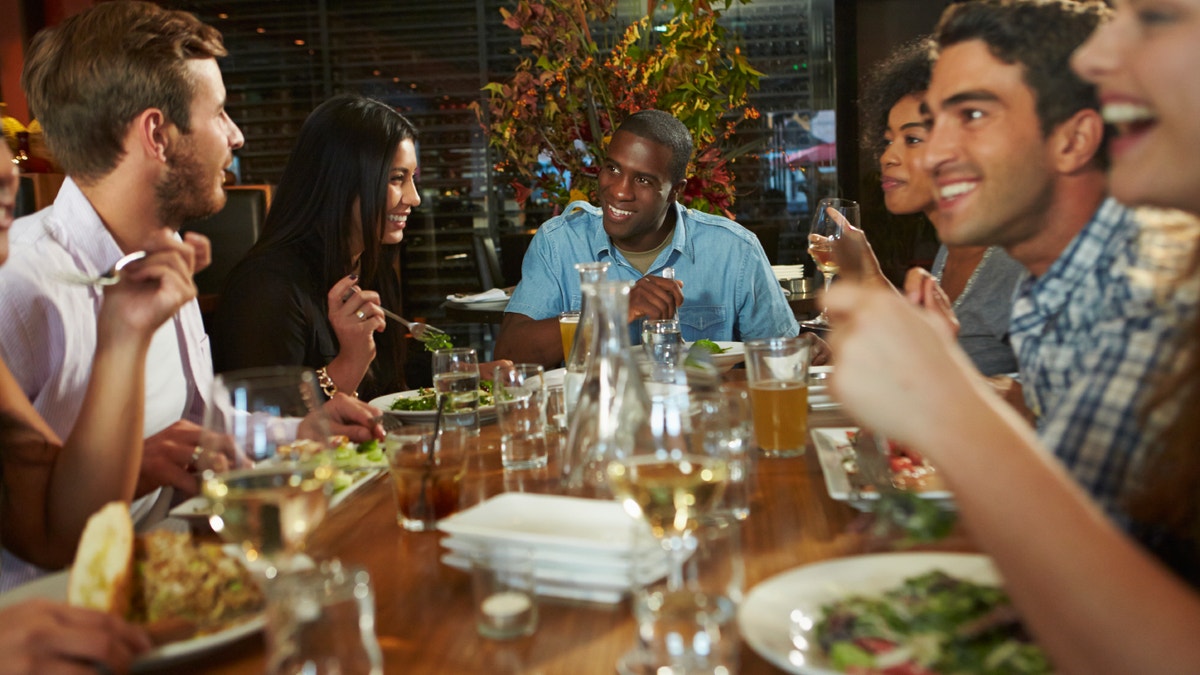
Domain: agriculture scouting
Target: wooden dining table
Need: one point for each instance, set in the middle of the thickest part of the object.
(424, 613)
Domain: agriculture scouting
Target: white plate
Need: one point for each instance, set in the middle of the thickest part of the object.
(54, 587)
(198, 506)
(818, 379)
(568, 524)
(778, 618)
(487, 413)
(832, 445)
(735, 354)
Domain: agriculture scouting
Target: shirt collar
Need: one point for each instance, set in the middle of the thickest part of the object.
(602, 248)
(1079, 259)
(76, 226)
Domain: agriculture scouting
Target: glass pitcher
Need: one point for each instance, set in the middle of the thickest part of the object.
(612, 409)
(589, 273)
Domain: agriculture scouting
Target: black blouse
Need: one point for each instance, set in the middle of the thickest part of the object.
(273, 313)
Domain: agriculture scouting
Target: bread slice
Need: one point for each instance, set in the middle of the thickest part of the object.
(102, 575)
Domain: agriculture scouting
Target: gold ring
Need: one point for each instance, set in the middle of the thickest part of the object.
(196, 452)
(360, 315)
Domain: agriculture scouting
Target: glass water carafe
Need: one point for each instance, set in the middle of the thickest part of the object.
(613, 408)
(589, 273)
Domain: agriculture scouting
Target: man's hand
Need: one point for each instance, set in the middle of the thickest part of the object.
(154, 288)
(655, 298)
(40, 636)
(923, 290)
(352, 418)
(167, 459)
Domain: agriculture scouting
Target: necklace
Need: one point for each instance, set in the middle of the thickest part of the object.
(971, 279)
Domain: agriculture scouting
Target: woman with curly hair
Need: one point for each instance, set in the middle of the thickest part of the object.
(977, 281)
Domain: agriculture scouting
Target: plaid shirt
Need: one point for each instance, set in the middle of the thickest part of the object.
(1093, 335)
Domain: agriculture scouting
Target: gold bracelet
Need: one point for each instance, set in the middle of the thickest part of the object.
(327, 384)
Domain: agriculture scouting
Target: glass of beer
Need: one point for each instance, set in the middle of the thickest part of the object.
(777, 370)
(568, 323)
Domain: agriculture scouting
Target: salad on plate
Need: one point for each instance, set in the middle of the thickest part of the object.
(930, 623)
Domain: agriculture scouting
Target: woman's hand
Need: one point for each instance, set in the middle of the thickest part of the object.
(923, 290)
(40, 636)
(356, 316)
(899, 371)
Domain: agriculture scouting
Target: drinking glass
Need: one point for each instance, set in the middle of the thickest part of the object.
(277, 491)
(691, 630)
(322, 622)
(456, 377)
(777, 370)
(670, 479)
(568, 323)
(723, 418)
(519, 392)
(662, 342)
(426, 465)
(831, 215)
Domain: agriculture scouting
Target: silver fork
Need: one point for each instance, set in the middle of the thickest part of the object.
(106, 278)
(420, 331)
(873, 469)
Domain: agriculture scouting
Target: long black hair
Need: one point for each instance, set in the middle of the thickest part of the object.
(343, 156)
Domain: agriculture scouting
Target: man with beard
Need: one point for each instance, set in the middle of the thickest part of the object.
(132, 104)
(1017, 159)
(723, 288)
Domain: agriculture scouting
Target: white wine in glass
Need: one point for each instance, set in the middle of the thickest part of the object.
(671, 480)
(831, 215)
(278, 491)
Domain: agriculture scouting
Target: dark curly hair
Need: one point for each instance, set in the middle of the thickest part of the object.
(904, 72)
(1039, 36)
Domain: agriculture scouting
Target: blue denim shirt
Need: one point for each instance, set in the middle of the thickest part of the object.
(729, 291)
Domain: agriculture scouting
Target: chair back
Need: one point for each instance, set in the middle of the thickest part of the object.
(513, 246)
(487, 261)
(232, 231)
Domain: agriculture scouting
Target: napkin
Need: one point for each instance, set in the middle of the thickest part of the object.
(486, 296)
(788, 271)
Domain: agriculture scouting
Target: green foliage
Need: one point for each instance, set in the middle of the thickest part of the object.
(569, 93)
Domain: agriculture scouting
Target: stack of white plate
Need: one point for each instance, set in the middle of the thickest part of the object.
(788, 271)
(583, 549)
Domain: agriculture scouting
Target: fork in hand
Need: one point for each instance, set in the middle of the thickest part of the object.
(420, 331)
(107, 278)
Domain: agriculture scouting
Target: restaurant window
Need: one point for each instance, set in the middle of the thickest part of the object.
(430, 60)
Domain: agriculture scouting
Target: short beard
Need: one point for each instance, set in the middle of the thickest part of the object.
(184, 194)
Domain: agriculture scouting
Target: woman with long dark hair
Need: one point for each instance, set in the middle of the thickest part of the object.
(311, 289)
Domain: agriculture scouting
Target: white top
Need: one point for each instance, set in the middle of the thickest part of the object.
(48, 332)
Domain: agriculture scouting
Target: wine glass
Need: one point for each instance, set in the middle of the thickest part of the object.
(456, 378)
(671, 479)
(266, 463)
(831, 215)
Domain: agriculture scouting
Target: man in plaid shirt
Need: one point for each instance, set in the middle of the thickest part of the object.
(1016, 153)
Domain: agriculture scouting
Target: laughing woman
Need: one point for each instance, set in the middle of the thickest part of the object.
(310, 291)
(1097, 600)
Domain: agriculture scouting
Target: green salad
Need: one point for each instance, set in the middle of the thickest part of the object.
(710, 346)
(426, 398)
(436, 342)
(353, 459)
(932, 623)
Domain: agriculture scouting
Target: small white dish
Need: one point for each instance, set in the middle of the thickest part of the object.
(832, 446)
